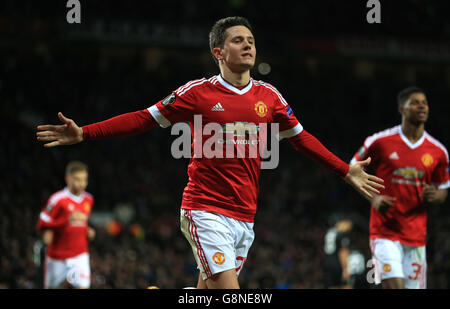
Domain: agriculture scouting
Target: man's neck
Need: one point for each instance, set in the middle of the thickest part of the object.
(413, 132)
(76, 193)
(237, 79)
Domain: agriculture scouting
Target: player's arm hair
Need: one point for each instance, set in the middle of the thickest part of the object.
(307, 144)
(120, 126)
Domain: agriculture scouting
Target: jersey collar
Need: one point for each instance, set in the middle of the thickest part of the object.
(75, 198)
(407, 141)
(234, 89)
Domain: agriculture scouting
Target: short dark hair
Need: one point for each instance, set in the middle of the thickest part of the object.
(404, 95)
(217, 35)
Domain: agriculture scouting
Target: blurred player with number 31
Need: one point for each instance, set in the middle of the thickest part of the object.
(414, 166)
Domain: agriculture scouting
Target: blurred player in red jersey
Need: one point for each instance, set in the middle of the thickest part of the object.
(64, 226)
(414, 166)
(219, 201)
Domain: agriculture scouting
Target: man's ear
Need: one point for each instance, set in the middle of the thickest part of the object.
(217, 52)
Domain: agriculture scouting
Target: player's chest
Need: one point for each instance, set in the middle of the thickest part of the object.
(402, 160)
(230, 108)
(70, 207)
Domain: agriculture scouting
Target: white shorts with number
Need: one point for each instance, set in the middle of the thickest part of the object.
(219, 243)
(393, 259)
(75, 271)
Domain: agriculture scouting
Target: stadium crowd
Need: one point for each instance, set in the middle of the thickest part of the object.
(335, 98)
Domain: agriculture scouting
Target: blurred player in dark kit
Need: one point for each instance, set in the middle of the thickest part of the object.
(344, 263)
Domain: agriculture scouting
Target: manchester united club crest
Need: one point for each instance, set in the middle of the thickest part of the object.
(261, 109)
(87, 207)
(427, 159)
(219, 258)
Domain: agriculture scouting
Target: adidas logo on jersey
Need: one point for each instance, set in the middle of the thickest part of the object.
(394, 156)
(218, 108)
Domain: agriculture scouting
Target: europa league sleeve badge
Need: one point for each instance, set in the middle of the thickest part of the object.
(168, 100)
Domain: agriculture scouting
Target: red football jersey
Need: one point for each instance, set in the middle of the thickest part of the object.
(404, 167)
(228, 186)
(69, 239)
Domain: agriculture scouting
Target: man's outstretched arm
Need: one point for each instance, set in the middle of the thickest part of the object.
(367, 185)
(70, 133)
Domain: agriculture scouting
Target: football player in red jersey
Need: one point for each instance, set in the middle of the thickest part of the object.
(219, 201)
(63, 223)
(414, 166)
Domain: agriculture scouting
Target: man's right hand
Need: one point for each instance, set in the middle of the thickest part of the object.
(382, 203)
(57, 135)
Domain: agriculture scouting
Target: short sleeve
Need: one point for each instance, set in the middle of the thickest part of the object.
(179, 106)
(51, 210)
(440, 176)
(52, 205)
(362, 153)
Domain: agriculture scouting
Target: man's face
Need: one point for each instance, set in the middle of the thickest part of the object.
(239, 51)
(415, 110)
(77, 181)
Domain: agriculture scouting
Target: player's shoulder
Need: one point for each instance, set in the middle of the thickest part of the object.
(267, 87)
(88, 196)
(195, 85)
(57, 196)
(383, 135)
(437, 144)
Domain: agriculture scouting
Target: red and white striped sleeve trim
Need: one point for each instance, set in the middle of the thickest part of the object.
(388, 132)
(287, 133)
(372, 139)
(213, 80)
(55, 198)
(290, 132)
(44, 217)
(271, 88)
(52, 201)
(182, 90)
(159, 117)
(156, 114)
(437, 144)
(445, 184)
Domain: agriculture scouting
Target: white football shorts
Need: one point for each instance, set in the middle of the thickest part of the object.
(219, 243)
(393, 259)
(75, 271)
